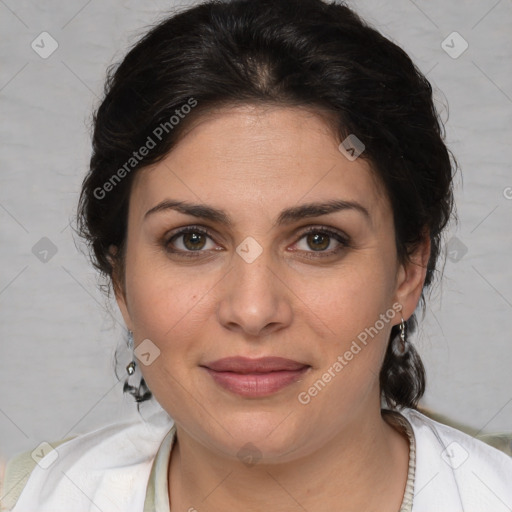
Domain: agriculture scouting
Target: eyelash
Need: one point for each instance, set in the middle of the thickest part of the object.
(339, 237)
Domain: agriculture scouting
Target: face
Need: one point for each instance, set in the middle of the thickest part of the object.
(261, 272)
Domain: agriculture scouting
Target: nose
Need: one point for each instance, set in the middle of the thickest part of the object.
(254, 301)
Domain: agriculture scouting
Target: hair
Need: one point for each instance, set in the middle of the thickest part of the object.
(302, 53)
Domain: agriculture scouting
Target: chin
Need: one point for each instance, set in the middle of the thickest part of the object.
(271, 437)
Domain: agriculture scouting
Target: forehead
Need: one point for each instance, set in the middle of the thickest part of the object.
(247, 156)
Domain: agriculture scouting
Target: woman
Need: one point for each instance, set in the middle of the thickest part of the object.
(267, 193)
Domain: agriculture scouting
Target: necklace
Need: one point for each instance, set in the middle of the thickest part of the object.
(402, 423)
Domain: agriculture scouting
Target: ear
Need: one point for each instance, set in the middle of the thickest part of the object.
(411, 277)
(119, 288)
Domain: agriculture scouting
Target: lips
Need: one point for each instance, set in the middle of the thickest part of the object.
(255, 378)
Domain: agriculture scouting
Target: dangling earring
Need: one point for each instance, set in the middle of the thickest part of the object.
(130, 369)
(403, 340)
(403, 337)
(140, 392)
(400, 344)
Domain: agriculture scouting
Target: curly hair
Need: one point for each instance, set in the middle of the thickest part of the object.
(289, 53)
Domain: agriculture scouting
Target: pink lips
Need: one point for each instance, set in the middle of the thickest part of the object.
(255, 377)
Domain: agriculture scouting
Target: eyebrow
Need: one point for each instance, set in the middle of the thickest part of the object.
(287, 216)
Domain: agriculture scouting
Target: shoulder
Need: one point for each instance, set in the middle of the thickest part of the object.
(455, 471)
(17, 472)
(109, 462)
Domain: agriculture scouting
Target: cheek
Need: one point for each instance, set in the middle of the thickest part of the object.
(350, 299)
(353, 335)
(164, 297)
(358, 315)
(170, 306)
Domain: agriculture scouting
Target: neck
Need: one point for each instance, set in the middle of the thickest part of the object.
(363, 467)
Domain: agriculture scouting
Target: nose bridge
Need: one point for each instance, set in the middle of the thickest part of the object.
(252, 269)
(252, 275)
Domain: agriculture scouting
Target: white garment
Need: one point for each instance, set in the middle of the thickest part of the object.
(123, 468)
(457, 473)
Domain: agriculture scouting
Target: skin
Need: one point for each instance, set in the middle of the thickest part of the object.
(253, 162)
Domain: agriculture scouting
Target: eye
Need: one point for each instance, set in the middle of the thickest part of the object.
(191, 239)
(317, 240)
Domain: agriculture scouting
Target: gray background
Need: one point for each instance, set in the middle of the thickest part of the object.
(57, 337)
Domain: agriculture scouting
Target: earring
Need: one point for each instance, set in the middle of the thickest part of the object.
(141, 392)
(402, 334)
(130, 369)
(403, 337)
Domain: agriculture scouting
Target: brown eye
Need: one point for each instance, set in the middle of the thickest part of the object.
(193, 241)
(189, 241)
(318, 241)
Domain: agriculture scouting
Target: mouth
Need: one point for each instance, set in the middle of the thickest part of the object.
(255, 378)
